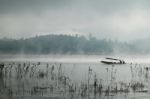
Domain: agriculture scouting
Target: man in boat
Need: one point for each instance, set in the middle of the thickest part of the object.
(122, 62)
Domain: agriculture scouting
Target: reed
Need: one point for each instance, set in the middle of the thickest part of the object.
(25, 79)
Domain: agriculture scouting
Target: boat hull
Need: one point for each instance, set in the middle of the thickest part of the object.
(110, 63)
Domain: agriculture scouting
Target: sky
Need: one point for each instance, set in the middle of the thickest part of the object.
(115, 19)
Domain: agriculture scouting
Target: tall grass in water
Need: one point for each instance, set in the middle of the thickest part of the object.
(28, 79)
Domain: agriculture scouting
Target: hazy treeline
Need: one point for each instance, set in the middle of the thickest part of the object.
(64, 44)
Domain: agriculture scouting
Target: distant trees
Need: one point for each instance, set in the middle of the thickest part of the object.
(62, 44)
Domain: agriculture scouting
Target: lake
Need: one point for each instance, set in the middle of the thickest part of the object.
(73, 77)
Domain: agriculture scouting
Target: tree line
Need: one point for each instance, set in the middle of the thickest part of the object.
(64, 44)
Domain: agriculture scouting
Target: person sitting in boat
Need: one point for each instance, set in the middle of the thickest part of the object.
(122, 62)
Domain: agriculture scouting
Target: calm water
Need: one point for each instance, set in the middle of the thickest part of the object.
(53, 77)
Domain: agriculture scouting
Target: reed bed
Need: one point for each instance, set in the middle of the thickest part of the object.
(29, 80)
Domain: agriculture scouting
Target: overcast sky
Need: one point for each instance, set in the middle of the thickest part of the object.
(116, 19)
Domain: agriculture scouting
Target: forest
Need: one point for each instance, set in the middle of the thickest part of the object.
(67, 44)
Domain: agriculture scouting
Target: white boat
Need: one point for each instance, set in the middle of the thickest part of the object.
(113, 61)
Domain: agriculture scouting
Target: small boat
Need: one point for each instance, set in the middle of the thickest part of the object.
(110, 61)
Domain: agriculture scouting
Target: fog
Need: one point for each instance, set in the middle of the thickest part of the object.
(115, 19)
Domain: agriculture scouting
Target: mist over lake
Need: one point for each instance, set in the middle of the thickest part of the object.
(73, 67)
(74, 49)
(30, 76)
